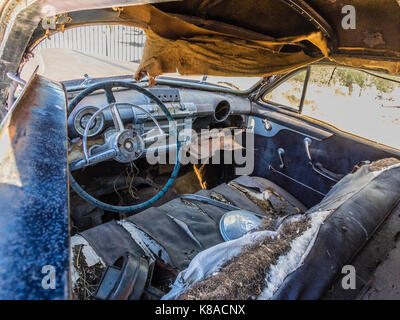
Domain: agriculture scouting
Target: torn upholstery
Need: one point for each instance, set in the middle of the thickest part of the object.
(179, 44)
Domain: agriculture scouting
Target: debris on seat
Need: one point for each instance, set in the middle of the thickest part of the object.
(268, 200)
(243, 277)
(183, 230)
(251, 267)
(219, 197)
(86, 270)
(383, 164)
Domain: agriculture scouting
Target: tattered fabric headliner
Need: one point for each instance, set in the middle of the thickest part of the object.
(254, 37)
(175, 45)
(260, 38)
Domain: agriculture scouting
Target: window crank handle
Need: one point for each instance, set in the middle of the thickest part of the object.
(307, 144)
(281, 154)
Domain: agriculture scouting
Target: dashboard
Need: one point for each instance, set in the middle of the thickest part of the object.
(192, 110)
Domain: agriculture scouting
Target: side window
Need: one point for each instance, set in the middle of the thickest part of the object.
(357, 102)
(288, 94)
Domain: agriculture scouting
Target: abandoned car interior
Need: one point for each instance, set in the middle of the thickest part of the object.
(240, 157)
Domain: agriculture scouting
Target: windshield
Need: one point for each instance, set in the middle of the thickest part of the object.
(102, 51)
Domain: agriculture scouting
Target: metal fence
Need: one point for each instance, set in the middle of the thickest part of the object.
(113, 41)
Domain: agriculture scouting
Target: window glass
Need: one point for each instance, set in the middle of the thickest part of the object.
(355, 101)
(288, 93)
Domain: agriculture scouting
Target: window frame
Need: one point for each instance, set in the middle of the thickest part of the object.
(305, 85)
(371, 73)
(321, 124)
(285, 78)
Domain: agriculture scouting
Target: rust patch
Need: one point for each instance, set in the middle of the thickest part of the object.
(200, 176)
(243, 277)
(373, 40)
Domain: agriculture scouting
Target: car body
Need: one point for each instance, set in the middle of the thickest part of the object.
(313, 136)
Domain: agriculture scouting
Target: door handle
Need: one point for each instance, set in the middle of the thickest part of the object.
(318, 167)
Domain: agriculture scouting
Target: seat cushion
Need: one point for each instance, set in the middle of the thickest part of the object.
(184, 228)
(302, 257)
(179, 229)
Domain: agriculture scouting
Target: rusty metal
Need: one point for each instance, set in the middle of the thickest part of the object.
(311, 15)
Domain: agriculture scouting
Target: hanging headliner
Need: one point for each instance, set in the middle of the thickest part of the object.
(259, 38)
(247, 38)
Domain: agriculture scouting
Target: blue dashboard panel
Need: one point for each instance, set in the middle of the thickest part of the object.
(34, 231)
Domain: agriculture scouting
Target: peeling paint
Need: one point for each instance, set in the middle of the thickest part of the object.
(90, 255)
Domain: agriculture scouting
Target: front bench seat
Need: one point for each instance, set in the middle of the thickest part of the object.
(341, 225)
(178, 230)
(357, 205)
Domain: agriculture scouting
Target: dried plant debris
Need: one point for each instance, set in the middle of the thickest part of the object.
(269, 201)
(243, 277)
(219, 197)
(89, 277)
(267, 223)
(263, 203)
(189, 203)
(383, 164)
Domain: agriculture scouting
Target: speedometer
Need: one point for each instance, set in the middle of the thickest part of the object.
(82, 118)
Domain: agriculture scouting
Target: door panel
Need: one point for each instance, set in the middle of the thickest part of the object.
(34, 195)
(336, 152)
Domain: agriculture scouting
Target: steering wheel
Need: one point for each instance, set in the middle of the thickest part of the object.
(123, 145)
